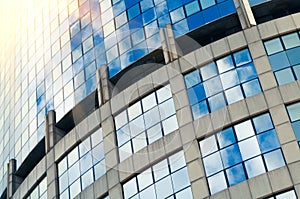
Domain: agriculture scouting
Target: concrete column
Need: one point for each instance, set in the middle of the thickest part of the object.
(103, 85)
(245, 13)
(170, 49)
(13, 180)
(53, 134)
(52, 176)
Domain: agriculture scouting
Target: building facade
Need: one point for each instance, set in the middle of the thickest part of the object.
(150, 99)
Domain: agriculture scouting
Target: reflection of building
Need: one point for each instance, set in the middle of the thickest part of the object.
(207, 106)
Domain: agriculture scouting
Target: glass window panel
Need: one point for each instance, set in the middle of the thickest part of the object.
(180, 179)
(216, 102)
(164, 187)
(231, 155)
(124, 45)
(254, 167)
(121, 19)
(138, 36)
(84, 147)
(212, 164)
(291, 40)
(145, 179)
(287, 195)
(207, 3)
(152, 117)
(294, 111)
(263, 123)
(164, 94)
(293, 55)
(65, 195)
(296, 128)
(121, 119)
(134, 111)
(225, 64)
(123, 135)
(86, 163)
(154, 133)
(73, 156)
(130, 188)
(96, 137)
(148, 193)
(173, 4)
(184, 194)
(177, 161)
(125, 151)
(63, 182)
(244, 130)
(234, 94)
(251, 88)
(149, 102)
(268, 141)
(98, 153)
(296, 70)
(192, 79)
(137, 126)
(208, 146)
(208, 71)
(200, 109)
(75, 189)
(196, 94)
(279, 61)
(133, 11)
(139, 142)
(246, 72)
(160, 170)
(87, 179)
(100, 169)
(170, 125)
(242, 57)
(229, 79)
(273, 46)
(226, 137)
(149, 16)
(74, 173)
(213, 86)
(217, 183)
(236, 174)
(249, 148)
(274, 160)
(192, 8)
(284, 76)
(62, 166)
(166, 109)
(146, 4)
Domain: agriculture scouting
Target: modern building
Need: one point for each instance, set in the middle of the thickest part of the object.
(150, 99)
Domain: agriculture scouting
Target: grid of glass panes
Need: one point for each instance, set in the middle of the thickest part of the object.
(145, 122)
(294, 114)
(131, 27)
(286, 195)
(240, 152)
(223, 82)
(40, 191)
(166, 179)
(82, 166)
(284, 57)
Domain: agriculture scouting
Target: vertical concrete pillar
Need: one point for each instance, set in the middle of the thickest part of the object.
(103, 85)
(52, 176)
(170, 49)
(245, 13)
(13, 180)
(53, 134)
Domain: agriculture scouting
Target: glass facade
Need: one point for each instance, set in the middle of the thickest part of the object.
(286, 195)
(40, 191)
(145, 122)
(222, 82)
(82, 166)
(294, 114)
(284, 57)
(240, 152)
(166, 179)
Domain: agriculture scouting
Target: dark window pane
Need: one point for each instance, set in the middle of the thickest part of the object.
(268, 141)
(231, 156)
(226, 137)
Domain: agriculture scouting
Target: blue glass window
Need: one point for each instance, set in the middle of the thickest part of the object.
(207, 3)
(253, 153)
(133, 11)
(225, 81)
(177, 15)
(149, 16)
(146, 4)
(174, 4)
(294, 114)
(192, 8)
(283, 53)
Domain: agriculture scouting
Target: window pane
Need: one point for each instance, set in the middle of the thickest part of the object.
(216, 102)
(273, 46)
(145, 179)
(208, 71)
(123, 135)
(196, 94)
(249, 148)
(225, 64)
(177, 161)
(274, 160)
(291, 40)
(139, 142)
(177, 15)
(148, 193)
(212, 164)
(244, 130)
(208, 146)
(231, 156)
(134, 110)
(149, 102)
(164, 94)
(125, 151)
(263, 123)
(284, 76)
(86, 163)
(75, 189)
(87, 179)
(279, 61)
(192, 79)
(217, 183)
(154, 133)
(200, 109)
(160, 170)
(255, 167)
(137, 126)
(164, 187)
(236, 174)
(229, 79)
(234, 94)
(192, 8)
(170, 125)
(121, 119)
(152, 117)
(246, 72)
(184, 194)
(207, 3)
(268, 141)
(226, 137)
(166, 109)
(294, 111)
(130, 188)
(287, 195)
(213, 86)
(180, 179)
(242, 57)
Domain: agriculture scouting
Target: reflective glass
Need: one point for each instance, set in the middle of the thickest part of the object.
(73, 156)
(164, 94)
(208, 71)
(146, 4)
(177, 15)
(225, 64)
(125, 151)
(236, 174)
(133, 11)
(163, 187)
(86, 163)
(173, 4)
(149, 16)
(293, 55)
(166, 109)
(145, 179)
(148, 193)
(160, 170)
(177, 161)
(273, 46)
(216, 102)
(170, 125)
(121, 119)
(291, 40)
(294, 111)
(296, 128)
(130, 188)
(192, 79)
(134, 110)
(244, 130)
(242, 57)
(231, 156)
(192, 8)
(137, 126)
(180, 179)
(200, 109)
(149, 102)
(262, 123)
(212, 164)
(217, 183)
(87, 179)
(296, 70)
(186, 193)
(152, 117)
(229, 79)
(255, 167)
(213, 86)
(249, 148)
(251, 88)
(225, 138)
(74, 172)
(274, 160)
(208, 146)
(207, 3)
(279, 61)
(246, 72)
(139, 142)
(268, 141)
(234, 94)
(287, 195)
(196, 94)
(154, 133)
